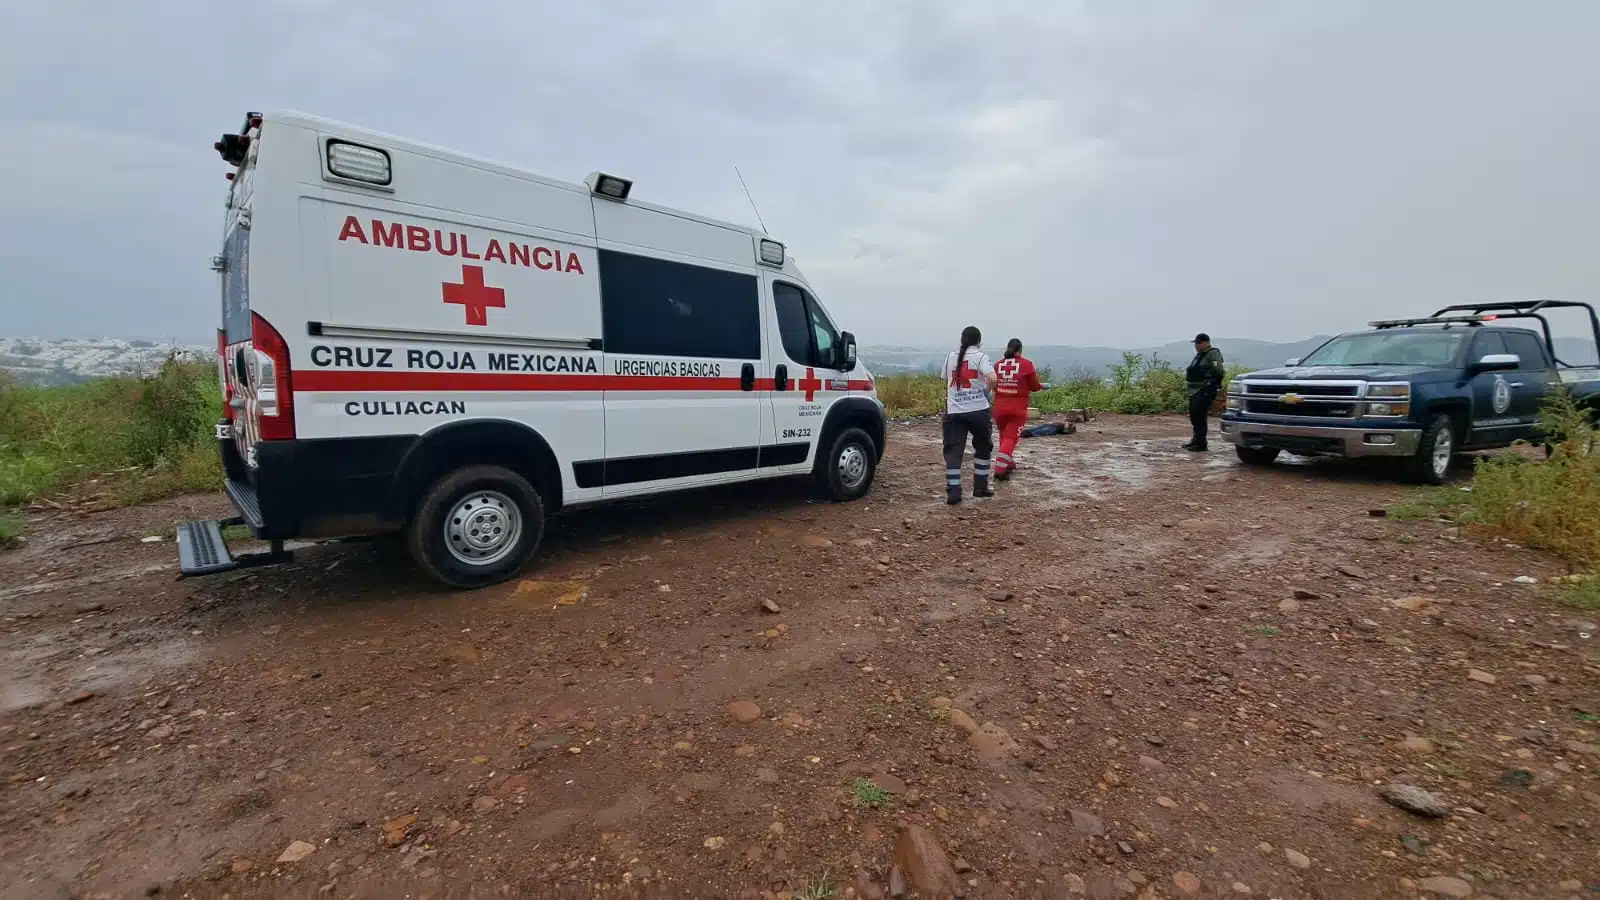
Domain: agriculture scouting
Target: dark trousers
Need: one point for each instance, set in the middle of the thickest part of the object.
(957, 428)
(1199, 405)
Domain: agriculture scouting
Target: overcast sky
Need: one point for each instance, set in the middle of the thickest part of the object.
(1111, 171)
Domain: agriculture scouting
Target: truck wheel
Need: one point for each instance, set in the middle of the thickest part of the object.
(1438, 445)
(476, 526)
(1256, 456)
(846, 472)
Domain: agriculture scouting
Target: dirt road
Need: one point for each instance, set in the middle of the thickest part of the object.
(1138, 672)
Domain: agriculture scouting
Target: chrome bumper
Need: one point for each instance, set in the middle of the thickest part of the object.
(1315, 440)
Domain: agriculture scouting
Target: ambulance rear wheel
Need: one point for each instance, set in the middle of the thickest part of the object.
(476, 526)
(848, 468)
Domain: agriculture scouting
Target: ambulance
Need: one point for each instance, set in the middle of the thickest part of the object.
(446, 351)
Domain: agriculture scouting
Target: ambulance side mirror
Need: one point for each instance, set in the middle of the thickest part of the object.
(847, 361)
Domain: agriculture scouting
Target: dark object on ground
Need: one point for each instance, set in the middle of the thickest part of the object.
(1046, 429)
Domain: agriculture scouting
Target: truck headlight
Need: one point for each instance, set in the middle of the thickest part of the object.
(1388, 409)
(1392, 391)
(1236, 386)
(1236, 402)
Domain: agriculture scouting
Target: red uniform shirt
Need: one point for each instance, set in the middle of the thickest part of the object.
(1015, 379)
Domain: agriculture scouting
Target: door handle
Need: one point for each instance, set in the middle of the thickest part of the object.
(1515, 384)
(747, 377)
(780, 378)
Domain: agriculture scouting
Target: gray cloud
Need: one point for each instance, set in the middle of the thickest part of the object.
(1092, 171)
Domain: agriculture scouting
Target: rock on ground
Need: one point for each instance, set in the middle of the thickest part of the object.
(1415, 800)
(927, 867)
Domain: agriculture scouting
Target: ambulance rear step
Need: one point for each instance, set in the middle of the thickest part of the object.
(203, 551)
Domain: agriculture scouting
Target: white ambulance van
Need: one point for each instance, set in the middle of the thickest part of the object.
(418, 343)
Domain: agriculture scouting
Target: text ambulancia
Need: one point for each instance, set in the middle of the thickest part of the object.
(420, 344)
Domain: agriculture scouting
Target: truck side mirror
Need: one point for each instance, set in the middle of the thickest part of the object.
(1497, 362)
(847, 352)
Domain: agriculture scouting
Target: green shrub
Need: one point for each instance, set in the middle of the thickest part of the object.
(153, 430)
(1138, 385)
(1552, 504)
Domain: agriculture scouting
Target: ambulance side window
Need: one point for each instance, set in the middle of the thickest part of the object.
(794, 323)
(808, 337)
(827, 339)
(657, 307)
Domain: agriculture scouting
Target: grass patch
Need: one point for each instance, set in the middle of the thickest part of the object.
(1450, 770)
(819, 888)
(1590, 718)
(147, 436)
(11, 528)
(1138, 385)
(868, 795)
(1431, 503)
(1583, 596)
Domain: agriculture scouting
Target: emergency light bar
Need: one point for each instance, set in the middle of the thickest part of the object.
(609, 186)
(1431, 320)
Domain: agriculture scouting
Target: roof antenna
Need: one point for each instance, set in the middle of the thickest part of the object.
(751, 199)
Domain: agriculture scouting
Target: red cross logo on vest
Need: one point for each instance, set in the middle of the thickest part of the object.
(962, 377)
(811, 384)
(474, 295)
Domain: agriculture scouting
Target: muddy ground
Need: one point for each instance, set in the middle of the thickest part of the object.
(1181, 678)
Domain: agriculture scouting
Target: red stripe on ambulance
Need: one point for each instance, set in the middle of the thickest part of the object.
(358, 381)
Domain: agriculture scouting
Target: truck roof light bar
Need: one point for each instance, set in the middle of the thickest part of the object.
(1431, 320)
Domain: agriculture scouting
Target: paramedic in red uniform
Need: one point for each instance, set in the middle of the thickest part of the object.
(1015, 379)
(968, 378)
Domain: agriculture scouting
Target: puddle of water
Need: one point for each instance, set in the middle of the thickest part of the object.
(1069, 475)
(56, 665)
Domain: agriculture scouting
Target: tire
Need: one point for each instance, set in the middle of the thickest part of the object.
(1435, 452)
(476, 526)
(1256, 456)
(846, 472)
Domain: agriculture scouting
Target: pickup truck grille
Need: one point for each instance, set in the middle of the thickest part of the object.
(1304, 389)
(1306, 409)
(1304, 399)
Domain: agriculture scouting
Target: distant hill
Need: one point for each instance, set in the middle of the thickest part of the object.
(1063, 359)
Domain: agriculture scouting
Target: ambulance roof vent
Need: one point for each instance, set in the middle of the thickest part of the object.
(608, 186)
(771, 252)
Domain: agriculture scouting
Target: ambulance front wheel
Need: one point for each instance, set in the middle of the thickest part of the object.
(849, 466)
(476, 526)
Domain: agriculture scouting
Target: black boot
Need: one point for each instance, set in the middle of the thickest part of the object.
(980, 488)
(953, 496)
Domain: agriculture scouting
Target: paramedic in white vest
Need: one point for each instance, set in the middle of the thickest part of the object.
(969, 379)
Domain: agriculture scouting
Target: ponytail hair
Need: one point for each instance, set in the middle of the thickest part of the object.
(1013, 348)
(970, 337)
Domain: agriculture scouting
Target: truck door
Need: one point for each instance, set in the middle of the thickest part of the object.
(805, 347)
(1531, 384)
(1493, 421)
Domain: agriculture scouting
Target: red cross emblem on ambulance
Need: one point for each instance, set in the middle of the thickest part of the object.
(474, 296)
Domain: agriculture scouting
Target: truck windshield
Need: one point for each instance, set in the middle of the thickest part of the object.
(1389, 348)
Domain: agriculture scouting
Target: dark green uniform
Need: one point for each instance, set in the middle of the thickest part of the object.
(1205, 376)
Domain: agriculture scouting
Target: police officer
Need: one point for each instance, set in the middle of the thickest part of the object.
(1204, 376)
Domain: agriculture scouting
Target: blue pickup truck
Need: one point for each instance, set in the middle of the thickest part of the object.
(1416, 390)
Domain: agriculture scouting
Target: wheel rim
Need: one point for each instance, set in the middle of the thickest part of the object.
(1441, 453)
(482, 528)
(852, 466)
